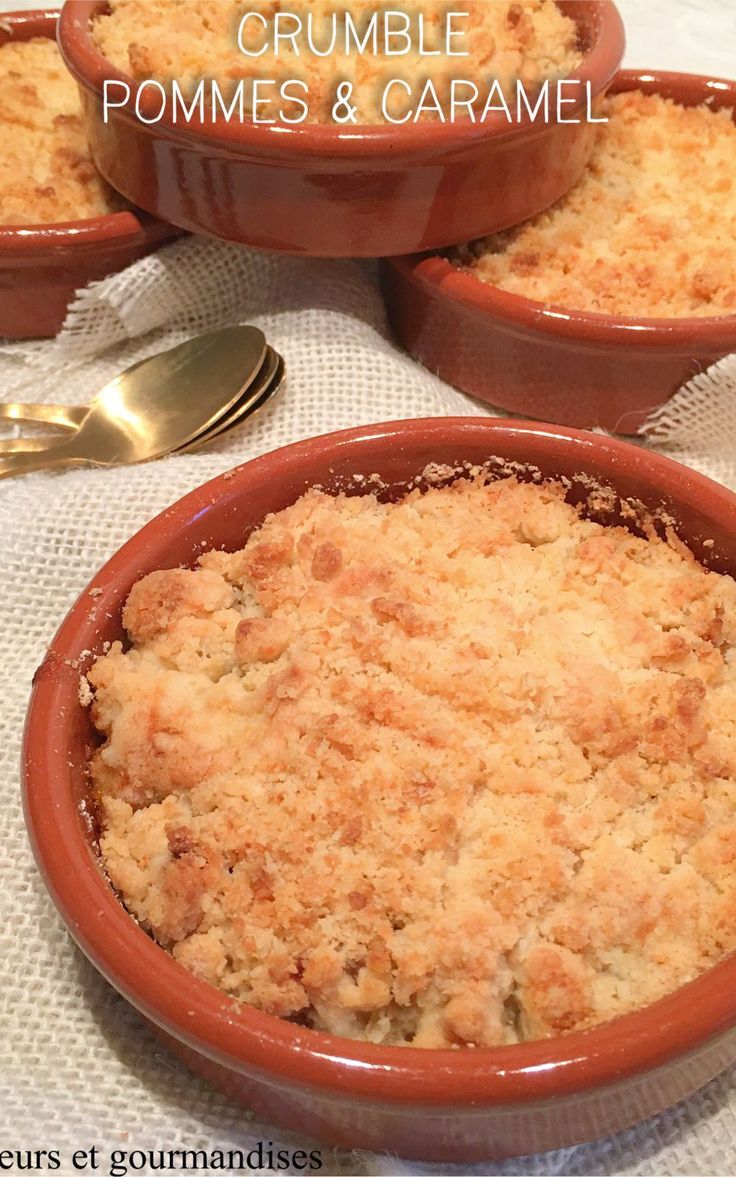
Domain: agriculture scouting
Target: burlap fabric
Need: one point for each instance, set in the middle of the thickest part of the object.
(76, 1066)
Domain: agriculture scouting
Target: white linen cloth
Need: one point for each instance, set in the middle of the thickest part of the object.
(77, 1061)
(77, 1068)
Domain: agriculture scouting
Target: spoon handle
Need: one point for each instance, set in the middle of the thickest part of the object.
(65, 416)
(52, 458)
(28, 445)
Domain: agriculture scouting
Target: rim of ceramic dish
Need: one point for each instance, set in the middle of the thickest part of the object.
(238, 1036)
(439, 276)
(600, 19)
(126, 225)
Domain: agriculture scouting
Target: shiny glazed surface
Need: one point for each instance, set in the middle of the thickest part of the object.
(41, 266)
(556, 364)
(435, 1104)
(313, 190)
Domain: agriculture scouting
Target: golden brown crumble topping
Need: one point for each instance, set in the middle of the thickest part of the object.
(46, 174)
(649, 231)
(459, 770)
(530, 40)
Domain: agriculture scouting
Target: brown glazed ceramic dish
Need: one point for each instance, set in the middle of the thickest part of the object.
(41, 266)
(316, 190)
(446, 1105)
(574, 367)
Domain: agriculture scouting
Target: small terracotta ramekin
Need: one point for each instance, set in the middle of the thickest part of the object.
(449, 1105)
(318, 190)
(42, 266)
(549, 362)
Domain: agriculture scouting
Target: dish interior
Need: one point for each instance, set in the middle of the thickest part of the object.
(46, 175)
(489, 740)
(603, 505)
(528, 41)
(642, 233)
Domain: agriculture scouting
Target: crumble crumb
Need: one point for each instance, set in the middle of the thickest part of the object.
(475, 786)
(650, 229)
(528, 39)
(46, 172)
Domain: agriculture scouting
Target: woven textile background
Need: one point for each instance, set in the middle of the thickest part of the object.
(77, 1068)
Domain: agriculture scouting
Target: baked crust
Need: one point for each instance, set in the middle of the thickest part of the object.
(649, 230)
(46, 173)
(459, 770)
(530, 40)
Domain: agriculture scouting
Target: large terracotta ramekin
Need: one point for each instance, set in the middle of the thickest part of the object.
(42, 266)
(437, 1104)
(318, 190)
(550, 362)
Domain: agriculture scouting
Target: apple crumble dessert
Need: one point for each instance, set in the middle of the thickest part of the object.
(650, 229)
(458, 770)
(308, 41)
(46, 174)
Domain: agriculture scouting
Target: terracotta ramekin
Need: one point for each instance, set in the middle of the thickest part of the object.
(41, 266)
(549, 362)
(321, 191)
(446, 1105)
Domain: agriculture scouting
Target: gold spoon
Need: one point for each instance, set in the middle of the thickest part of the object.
(158, 405)
(63, 416)
(70, 417)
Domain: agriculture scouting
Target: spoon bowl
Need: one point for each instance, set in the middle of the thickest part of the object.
(267, 385)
